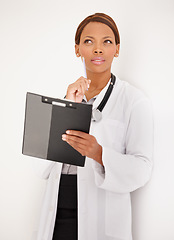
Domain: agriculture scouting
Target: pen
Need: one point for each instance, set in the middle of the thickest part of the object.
(84, 68)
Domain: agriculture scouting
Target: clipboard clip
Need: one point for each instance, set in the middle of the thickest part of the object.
(57, 103)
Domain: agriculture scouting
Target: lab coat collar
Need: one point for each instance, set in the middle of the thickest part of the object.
(100, 96)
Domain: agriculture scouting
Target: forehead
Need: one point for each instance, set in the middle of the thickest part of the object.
(97, 29)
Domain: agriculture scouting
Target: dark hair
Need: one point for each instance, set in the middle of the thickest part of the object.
(98, 17)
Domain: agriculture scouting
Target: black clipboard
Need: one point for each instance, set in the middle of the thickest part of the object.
(46, 119)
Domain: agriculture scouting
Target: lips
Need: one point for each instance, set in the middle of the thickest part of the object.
(98, 60)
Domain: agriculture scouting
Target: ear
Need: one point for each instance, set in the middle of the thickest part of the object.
(117, 50)
(77, 50)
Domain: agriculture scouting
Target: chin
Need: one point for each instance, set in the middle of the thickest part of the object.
(100, 70)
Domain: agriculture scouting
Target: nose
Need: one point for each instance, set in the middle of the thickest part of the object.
(98, 50)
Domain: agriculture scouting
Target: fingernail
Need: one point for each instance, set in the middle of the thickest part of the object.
(64, 137)
(67, 131)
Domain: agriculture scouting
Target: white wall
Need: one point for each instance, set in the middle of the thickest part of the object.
(36, 49)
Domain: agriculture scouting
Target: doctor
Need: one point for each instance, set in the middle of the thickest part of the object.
(118, 148)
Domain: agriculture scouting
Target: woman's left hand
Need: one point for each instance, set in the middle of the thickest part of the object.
(85, 144)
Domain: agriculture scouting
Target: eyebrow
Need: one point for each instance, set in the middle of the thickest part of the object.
(107, 37)
(93, 37)
(88, 37)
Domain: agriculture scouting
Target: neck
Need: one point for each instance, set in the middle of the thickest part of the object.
(98, 80)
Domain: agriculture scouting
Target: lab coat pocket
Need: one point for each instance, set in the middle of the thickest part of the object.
(118, 215)
(113, 132)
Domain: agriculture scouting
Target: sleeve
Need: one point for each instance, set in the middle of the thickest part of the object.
(127, 172)
(43, 167)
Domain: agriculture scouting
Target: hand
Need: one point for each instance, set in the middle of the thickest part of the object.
(76, 90)
(85, 144)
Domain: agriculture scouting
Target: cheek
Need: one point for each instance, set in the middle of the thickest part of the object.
(84, 52)
(111, 52)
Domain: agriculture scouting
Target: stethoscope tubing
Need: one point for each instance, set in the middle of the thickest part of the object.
(97, 112)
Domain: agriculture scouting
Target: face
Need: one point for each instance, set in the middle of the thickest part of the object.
(98, 47)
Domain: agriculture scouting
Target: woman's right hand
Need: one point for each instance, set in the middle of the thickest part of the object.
(76, 90)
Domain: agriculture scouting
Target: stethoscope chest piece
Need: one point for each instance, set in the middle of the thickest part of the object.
(96, 115)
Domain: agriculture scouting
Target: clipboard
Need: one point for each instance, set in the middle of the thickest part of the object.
(46, 119)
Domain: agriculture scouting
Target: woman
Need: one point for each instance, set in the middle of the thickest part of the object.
(118, 148)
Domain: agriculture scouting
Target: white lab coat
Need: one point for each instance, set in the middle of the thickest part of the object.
(104, 207)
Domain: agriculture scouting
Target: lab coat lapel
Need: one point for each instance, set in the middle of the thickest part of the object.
(100, 96)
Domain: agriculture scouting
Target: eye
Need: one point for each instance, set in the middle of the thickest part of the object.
(88, 41)
(108, 41)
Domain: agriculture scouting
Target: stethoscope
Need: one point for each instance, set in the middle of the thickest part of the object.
(97, 112)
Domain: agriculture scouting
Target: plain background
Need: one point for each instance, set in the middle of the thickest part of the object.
(37, 55)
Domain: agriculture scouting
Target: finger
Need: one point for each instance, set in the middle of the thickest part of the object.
(73, 87)
(84, 87)
(88, 83)
(78, 99)
(77, 146)
(78, 134)
(74, 142)
(85, 82)
(79, 91)
(75, 139)
(79, 95)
